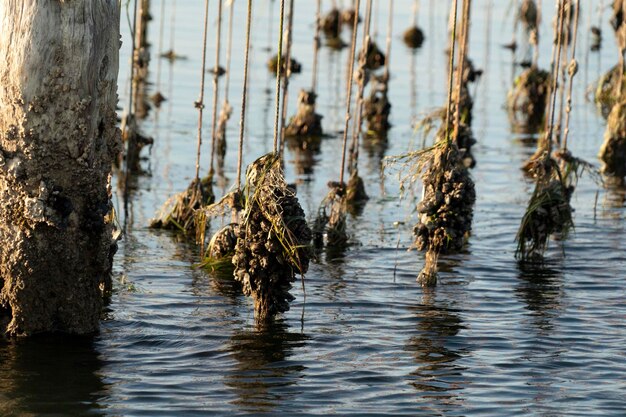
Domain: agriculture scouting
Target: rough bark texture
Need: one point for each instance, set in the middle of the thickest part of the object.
(58, 135)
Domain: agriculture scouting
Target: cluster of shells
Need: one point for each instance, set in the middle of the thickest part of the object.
(272, 240)
(446, 211)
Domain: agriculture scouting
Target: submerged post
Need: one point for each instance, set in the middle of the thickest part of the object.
(58, 136)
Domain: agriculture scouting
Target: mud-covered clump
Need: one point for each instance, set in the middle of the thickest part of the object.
(294, 66)
(428, 275)
(613, 150)
(374, 57)
(526, 102)
(548, 212)
(306, 122)
(413, 37)
(178, 211)
(329, 227)
(608, 90)
(528, 15)
(356, 196)
(273, 239)
(348, 16)
(331, 23)
(220, 135)
(617, 16)
(377, 108)
(446, 211)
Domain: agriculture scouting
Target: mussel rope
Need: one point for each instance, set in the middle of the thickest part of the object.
(316, 44)
(414, 14)
(563, 58)
(356, 128)
(216, 75)
(242, 122)
(200, 103)
(572, 70)
(451, 71)
(355, 27)
(465, 20)
(287, 77)
(279, 63)
(557, 65)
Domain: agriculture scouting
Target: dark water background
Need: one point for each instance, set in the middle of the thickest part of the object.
(494, 338)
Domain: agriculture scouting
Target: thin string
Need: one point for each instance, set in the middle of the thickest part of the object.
(388, 51)
(161, 27)
(451, 69)
(200, 103)
(461, 64)
(573, 69)
(216, 75)
(316, 43)
(356, 128)
(287, 73)
(242, 123)
(229, 50)
(555, 74)
(355, 27)
(279, 63)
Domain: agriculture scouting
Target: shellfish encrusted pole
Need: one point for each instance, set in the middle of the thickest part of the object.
(58, 138)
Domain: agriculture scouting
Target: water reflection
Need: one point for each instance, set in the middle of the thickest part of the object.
(50, 376)
(540, 287)
(265, 377)
(438, 377)
(304, 151)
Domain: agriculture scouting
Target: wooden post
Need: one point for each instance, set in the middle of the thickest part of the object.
(58, 137)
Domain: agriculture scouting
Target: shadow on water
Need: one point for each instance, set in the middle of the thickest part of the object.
(265, 377)
(50, 376)
(438, 378)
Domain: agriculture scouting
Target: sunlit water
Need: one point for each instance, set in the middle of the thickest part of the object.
(494, 338)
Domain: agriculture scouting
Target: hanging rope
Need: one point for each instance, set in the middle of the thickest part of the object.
(356, 128)
(161, 26)
(355, 28)
(451, 69)
(572, 70)
(287, 77)
(242, 123)
(229, 51)
(461, 65)
(316, 44)
(388, 49)
(555, 75)
(279, 63)
(200, 103)
(216, 75)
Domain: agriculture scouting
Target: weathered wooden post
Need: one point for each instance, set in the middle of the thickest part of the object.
(58, 136)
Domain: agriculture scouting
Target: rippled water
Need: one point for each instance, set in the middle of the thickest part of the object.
(494, 338)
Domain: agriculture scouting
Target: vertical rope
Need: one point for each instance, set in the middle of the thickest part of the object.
(229, 50)
(414, 14)
(555, 74)
(389, 34)
(279, 63)
(355, 28)
(161, 27)
(451, 69)
(287, 77)
(356, 128)
(200, 103)
(316, 44)
(242, 123)
(218, 44)
(573, 68)
(461, 64)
